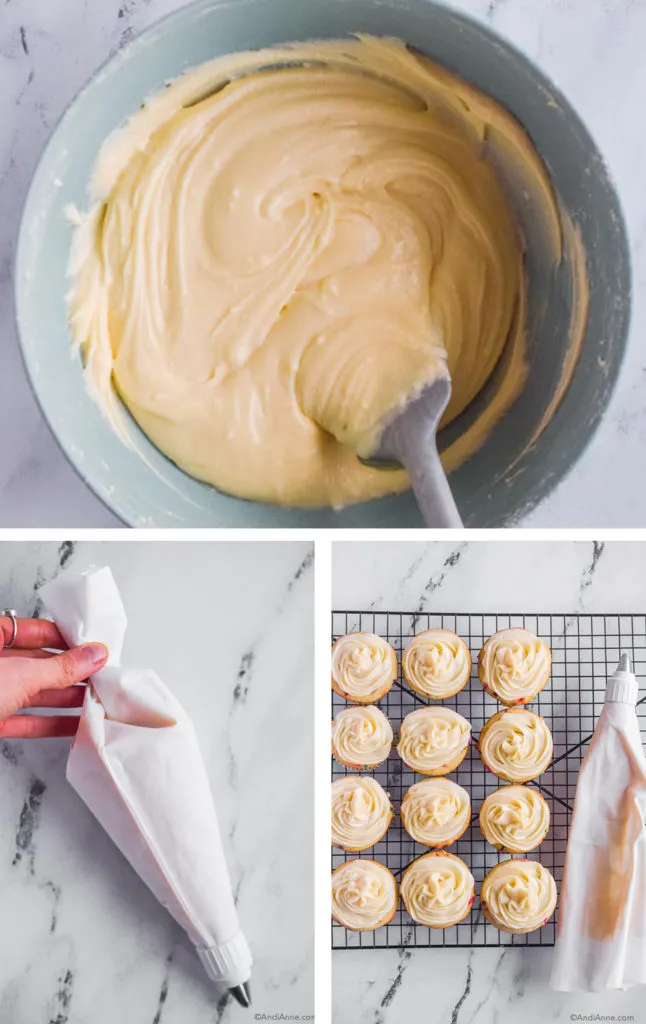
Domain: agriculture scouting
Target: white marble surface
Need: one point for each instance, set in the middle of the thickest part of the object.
(593, 49)
(481, 986)
(82, 941)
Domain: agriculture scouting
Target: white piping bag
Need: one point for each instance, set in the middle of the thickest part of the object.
(601, 939)
(136, 763)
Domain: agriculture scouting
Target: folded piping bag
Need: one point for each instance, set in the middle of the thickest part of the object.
(601, 938)
(137, 765)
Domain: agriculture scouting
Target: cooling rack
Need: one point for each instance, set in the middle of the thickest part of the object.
(585, 651)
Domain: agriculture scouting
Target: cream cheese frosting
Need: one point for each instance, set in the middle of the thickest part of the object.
(518, 895)
(361, 812)
(437, 889)
(361, 737)
(515, 819)
(433, 740)
(284, 246)
(364, 666)
(364, 895)
(436, 663)
(514, 665)
(516, 745)
(435, 812)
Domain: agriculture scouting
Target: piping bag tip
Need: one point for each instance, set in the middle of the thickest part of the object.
(624, 663)
(242, 993)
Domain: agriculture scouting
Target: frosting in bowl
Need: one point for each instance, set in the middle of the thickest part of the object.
(361, 812)
(436, 663)
(432, 739)
(515, 819)
(437, 889)
(364, 895)
(514, 665)
(518, 895)
(435, 812)
(364, 666)
(361, 736)
(516, 744)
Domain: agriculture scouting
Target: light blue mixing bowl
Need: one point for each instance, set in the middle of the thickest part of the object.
(487, 492)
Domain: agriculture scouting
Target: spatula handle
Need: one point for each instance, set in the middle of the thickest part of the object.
(418, 453)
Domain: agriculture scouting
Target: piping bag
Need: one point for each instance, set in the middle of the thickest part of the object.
(601, 938)
(136, 763)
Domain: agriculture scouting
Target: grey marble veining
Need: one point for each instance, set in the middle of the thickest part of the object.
(591, 48)
(82, 941)
(479, 986)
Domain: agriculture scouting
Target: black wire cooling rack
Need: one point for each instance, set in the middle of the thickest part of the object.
(585, 651)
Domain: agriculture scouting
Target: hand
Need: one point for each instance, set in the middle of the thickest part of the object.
(31, 677)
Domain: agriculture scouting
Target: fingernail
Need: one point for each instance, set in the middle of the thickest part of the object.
(94, 655)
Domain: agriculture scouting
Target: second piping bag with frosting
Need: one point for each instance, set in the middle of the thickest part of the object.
(137, 765)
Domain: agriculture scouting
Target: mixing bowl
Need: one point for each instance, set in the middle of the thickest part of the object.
(506, 477)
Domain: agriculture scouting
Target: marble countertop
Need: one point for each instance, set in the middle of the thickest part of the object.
(82, 941)
(592, 50)
(495, 985)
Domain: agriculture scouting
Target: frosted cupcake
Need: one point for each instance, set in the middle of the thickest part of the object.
(364, 895)
(361, 737)
(514, 666)
(361, 812)
(438, 889)
(515, 819)
(436, 664)
(364, 667)
(516, 745)
(518, 896)
(436, 812)
(433, 740)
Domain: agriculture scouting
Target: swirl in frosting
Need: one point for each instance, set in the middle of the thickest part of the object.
(518, 896)
(514, 665)
(436, 812)
(436, 663)
(364, 667)
(516, 745)
(361, 812)
(433, 741)
(437, 889)
(364, 895)
(515, 819)
(361, 737)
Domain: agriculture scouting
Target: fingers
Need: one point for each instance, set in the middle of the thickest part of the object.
(29, 727)
(32, 633)
(30, 675)
(16, 652)
(68, 697)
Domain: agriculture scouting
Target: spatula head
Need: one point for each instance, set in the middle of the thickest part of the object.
(419, 417)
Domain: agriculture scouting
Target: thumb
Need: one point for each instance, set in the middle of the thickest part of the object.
(65, 669)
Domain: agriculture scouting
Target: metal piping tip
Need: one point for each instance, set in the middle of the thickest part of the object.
(242, 993)
(624, 663)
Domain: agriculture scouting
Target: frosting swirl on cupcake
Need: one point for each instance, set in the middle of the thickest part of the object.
(361, 736)
(516, 745)
(364, 666)
(518, 895)
(432, 740)
(437, 889)
(361, 812)
(514, 665)
(436, 663)
(515, 819)
(436, 812)
(364, 895)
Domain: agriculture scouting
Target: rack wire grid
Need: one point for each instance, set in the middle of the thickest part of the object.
(585, 651)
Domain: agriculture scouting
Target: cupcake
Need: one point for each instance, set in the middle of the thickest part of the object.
(364, 895)
(515, 819)
(436, 812)
(361, 812)
(433, 741)
(438, 889)
(518, 896)
(516, 745)
(364, 667)
(514, 666)
(436, 664)
(361, 737)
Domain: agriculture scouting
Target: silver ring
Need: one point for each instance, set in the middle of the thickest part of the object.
(11, 614)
